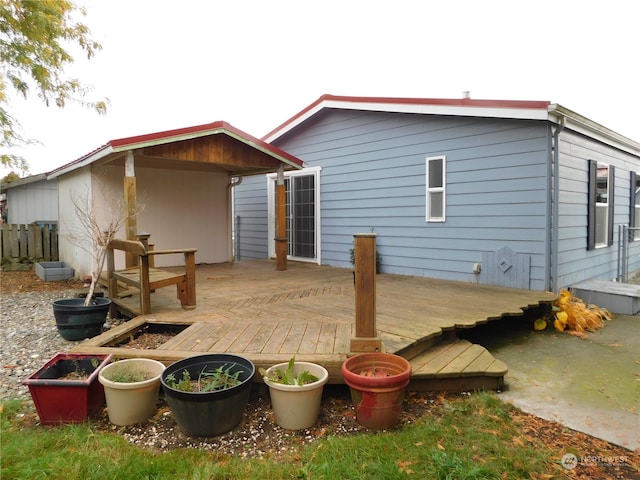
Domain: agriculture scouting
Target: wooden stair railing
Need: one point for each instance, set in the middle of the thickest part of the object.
(147, 279)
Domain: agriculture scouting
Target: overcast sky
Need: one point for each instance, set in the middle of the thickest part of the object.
(174, 63)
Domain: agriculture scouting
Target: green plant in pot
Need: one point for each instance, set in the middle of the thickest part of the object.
(219, 378)
(295, 389)
(207, 394)
(131, 389)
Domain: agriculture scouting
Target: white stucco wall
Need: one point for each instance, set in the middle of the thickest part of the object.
(182, 209)
(70, 232)
(186, 209)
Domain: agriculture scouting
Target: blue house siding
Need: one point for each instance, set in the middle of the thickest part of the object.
(576, 263)
(251, 210)
(373, 179)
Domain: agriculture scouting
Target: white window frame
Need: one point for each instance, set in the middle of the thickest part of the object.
(430, 191)
(271, 209)
(603, 206)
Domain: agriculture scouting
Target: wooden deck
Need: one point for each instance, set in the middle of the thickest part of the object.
(250, 309)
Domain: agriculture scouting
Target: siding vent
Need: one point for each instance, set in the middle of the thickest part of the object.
(505, 268)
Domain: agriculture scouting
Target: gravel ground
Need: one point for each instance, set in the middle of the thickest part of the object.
(29, 337)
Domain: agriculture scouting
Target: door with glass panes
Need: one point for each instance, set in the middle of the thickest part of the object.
(301, 221)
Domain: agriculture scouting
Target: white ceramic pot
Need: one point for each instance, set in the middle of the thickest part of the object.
(132, 402)
(297, 406)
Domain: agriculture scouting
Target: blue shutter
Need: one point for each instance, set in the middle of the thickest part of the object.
(591, 205)
(611, 187)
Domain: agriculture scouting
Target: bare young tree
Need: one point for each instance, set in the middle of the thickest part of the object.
(95, 234)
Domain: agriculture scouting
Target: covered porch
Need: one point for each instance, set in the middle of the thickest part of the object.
(175, 185)
(248, 308)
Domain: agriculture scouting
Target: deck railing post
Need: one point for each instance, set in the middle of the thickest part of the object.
(366, 337)
(281, 222)
(130, 202)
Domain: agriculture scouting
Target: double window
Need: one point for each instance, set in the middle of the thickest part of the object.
(436, 181)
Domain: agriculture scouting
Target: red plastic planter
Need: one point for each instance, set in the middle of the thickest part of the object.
(67, 401)
(377, 382)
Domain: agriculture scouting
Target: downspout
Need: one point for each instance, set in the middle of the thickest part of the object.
(234, 183)
(235, 222)
(554, 170)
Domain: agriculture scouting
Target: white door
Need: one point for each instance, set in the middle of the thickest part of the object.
(302, 210)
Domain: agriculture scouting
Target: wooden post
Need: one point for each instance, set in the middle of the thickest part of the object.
(143, 237)
(130, 205)
(281, 222)
(366, 337)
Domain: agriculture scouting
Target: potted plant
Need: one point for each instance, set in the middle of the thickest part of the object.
(131, 389)
(207, 394)
(78, 318)
(377, 381)
(66, 388)
(295, 389)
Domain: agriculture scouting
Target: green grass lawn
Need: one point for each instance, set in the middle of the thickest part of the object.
(471, 437)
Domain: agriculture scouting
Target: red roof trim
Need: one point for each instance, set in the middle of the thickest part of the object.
(149, 137)
(450, 102)
(122, 143)
(219, 125)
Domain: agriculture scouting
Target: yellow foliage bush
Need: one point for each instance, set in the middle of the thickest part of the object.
(575, 317)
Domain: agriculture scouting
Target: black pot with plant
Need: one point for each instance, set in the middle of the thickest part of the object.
(207, 394)
(77, 321)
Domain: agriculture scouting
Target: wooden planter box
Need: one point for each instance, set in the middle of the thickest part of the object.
(51, 271)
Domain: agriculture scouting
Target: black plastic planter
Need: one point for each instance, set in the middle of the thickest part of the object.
(207, 414)
(77, 322)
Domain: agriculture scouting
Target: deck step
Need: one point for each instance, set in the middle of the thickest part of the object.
(457, 365)
(621, 298)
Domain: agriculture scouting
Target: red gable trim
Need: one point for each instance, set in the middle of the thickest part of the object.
(129, 143)
(168, 134)
(203, 130)
(442, 102)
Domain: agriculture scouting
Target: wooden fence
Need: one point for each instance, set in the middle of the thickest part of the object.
(29, 243)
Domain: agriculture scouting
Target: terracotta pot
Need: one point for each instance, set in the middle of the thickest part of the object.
(377, 382)
(297, 406)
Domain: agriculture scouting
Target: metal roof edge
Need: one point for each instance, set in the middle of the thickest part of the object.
(4, 186)
(83, 161)
(585, 126)
(176, 135)
(522, 109)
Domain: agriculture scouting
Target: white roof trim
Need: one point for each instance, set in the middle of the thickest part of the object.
(589, 128)
(424, 109)
(97, 155)
(554, 113)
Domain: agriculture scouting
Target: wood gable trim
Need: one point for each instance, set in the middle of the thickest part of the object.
(221, 150)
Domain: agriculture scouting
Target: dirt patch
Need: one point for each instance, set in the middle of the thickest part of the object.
(147, 341)
(16, 282)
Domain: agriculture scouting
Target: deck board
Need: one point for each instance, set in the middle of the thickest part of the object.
(248, 308)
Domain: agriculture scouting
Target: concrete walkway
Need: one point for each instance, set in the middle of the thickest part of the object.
(591, 385)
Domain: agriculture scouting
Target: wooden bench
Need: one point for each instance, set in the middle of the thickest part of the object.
(147, 278)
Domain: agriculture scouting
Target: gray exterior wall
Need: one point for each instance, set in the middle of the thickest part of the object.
(251, 218)
(498, 196)
(33, 202)
(373, 178)
(576, 263)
